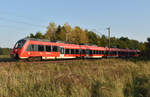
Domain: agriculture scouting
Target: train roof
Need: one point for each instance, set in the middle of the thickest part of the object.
(43, 40)
(76, 46)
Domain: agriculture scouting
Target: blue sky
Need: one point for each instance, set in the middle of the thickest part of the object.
(128, 18)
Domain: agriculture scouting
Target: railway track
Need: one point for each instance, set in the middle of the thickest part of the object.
(11, 61)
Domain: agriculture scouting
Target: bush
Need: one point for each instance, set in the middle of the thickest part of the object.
(5, 51)
(139, 87)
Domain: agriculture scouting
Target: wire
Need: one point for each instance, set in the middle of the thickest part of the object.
(21, 22)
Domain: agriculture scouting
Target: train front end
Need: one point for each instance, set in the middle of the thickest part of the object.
(18, 48)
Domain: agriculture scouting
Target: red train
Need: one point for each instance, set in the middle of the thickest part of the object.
(36, 48)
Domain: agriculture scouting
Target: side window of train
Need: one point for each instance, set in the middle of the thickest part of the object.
(40, 47)
(67, 51)
(77, 51)
(55, 48)
(94, 51)
(35, 48)
(119, 52)
(83, 51)
(103, 52)
(31, 47)
(48, 48)
(106, 52)
(72, 51)
(100, 52)
(90, 51)
(97, 52)
(112, 52)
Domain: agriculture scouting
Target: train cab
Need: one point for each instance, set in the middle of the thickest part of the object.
(17, 49)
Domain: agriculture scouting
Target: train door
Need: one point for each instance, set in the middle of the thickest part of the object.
(87, 52)
(61, 52)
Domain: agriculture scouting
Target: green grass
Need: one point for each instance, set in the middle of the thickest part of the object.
(83, 78)
(5, 58)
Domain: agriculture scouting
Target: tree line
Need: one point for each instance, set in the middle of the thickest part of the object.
(77, 35)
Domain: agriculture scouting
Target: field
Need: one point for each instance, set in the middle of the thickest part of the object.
(83, 78)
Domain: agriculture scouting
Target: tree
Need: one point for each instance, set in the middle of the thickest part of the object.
(60, 33)
(31, 35)
(147, 50)
(68, 32)
(39, 35)
(93, 38)
(51, 32)
(104, 41)
(148, 43)
(79, 36)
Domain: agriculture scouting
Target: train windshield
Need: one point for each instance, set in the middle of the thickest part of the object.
(20, 44)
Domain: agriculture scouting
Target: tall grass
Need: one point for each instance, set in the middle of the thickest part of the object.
(83, 78)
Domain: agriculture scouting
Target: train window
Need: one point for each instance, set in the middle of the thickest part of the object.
(35, 47)
(115, 52)
(83, 51)
(102, 52)
(40, 47)
(67, 51)
(119, 52)
(110, 52)
(90, 51)
(30, 47)
(72, 51)
(48, 48)
(55, 48)
(99, 52)
(20, 44)
(126, 53)
(96, 52)
(107, 52)
(77, 51)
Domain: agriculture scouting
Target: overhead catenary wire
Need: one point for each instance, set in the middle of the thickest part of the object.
(21, 22)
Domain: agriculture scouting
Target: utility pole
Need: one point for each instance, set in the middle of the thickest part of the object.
(108, 39)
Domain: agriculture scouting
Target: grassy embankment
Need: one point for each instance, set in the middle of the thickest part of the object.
(87, 78)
